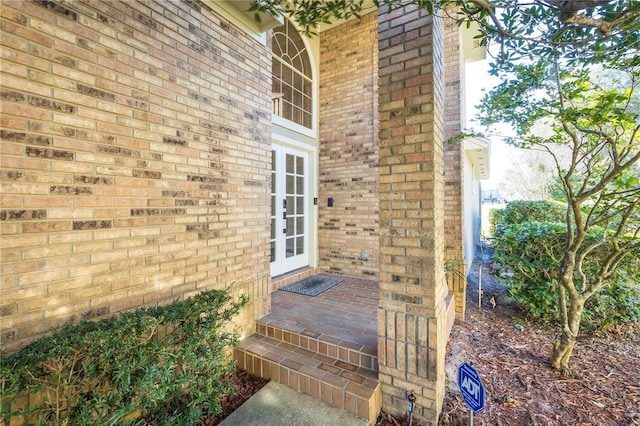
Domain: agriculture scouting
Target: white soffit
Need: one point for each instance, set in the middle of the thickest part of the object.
(238, 9)
(471, 48)
(478, 150)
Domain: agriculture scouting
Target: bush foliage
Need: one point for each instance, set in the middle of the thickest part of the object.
(528, 255)
(157, 364)
(519, 211)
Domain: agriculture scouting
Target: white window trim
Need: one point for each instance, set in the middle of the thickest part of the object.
(290, 134)
(295, 127)
(313, 132)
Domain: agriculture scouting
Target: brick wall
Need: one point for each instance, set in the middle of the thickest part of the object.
(453, 165)
(349, 149)
(411, 319)
(135, 160)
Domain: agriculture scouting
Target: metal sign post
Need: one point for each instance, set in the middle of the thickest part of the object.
(480, 287)
(412, 401)
(472, 389)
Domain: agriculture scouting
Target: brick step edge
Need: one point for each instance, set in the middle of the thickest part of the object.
(351, 352)
(335, 382)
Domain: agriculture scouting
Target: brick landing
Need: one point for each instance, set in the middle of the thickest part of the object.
(324, 346)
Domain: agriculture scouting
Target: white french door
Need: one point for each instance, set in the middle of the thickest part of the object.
(289, 209)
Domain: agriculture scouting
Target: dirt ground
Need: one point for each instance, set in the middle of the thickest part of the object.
(510, 354)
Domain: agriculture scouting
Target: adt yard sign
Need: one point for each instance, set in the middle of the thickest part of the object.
(471, 387)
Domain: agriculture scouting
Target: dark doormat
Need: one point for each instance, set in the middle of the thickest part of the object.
(312, 286)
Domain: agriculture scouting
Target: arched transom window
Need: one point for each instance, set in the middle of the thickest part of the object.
(292, 77)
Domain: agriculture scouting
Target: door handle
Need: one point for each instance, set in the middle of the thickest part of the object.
(284, 214)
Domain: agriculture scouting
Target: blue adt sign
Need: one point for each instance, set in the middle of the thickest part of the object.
(471, 386)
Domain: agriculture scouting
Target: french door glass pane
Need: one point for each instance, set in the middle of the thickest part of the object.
(300, 245)
(290, 185)
(290, 164)
(290, 205)
(290, 229)
(290, 247)
(299, 205)
(300, 185)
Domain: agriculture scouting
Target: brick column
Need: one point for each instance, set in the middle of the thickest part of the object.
(411, 321)
(453, 165)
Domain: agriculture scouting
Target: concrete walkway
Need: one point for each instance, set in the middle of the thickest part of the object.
(279, 405)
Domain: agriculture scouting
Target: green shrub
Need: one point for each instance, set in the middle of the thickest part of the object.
(155, 364)
(496, 217)
(520, 211)
(529, 255)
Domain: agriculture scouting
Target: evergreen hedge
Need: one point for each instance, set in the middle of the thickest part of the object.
(160, 365)
(528, 251)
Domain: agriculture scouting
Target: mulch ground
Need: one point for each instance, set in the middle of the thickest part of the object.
(521, 389)
(245, 386)
(511, 354)
(602, 388)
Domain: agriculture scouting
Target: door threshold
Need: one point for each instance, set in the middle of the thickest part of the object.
(293, 276)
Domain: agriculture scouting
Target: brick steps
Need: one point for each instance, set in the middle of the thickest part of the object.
(322, 339)
(324, 346)
(338, 383)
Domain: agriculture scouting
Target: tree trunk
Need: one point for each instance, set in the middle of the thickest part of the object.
(562, 349)
(563, 346)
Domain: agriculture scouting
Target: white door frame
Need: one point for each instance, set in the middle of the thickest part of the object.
(292, 210)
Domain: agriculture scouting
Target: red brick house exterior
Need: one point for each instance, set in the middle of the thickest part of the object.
(136, 167)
